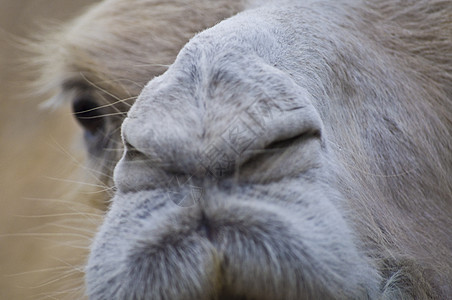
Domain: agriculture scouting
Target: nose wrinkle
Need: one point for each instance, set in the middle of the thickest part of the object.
(218, 154)
(185, 151)
(175, 135)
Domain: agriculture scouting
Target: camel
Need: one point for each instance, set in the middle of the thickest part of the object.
(264, 149)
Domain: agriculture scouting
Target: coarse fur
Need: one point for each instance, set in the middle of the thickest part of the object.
(296, 150)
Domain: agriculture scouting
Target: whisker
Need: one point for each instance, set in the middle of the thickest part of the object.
(93, 219)
(103, 90)
(78, 267)
(79, 164)
(113, 149)
(62, 268)
(77, 292)
(39, 235)
(70, 204)
(51, 281)
(73, 228)
(116, 130)
(75, 181)
(115, 107)
(106, 105)
(152, 65)
(104, 115)
(75, 214)
(104, 190)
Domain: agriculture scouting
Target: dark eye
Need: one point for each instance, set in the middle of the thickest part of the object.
(88, 114)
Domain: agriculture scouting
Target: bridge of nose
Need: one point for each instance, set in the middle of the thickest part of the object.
(182, 138)
(202, 116)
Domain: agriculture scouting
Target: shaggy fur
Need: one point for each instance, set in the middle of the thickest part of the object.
(297, 150)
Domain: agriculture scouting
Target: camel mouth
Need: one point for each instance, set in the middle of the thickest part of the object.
(228, 246)
(217, 258)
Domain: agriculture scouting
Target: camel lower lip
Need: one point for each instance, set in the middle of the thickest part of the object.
(237, 251)
(214, 260)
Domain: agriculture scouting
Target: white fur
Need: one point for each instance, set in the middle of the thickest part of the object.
(287, 153)
(303, 247)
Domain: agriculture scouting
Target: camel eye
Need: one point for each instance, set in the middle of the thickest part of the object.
(88, 114)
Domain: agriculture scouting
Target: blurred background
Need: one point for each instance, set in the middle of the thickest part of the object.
(44, 231)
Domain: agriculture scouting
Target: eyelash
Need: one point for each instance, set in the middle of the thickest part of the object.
(88, 114)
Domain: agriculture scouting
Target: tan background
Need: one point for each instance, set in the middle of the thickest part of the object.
(42, 237)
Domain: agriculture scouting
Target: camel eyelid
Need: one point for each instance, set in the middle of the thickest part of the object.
(88, 113)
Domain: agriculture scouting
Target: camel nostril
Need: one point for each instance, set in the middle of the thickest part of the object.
(286, 142)
(132, 154)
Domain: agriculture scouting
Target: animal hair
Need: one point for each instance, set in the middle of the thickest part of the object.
(340, 186)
